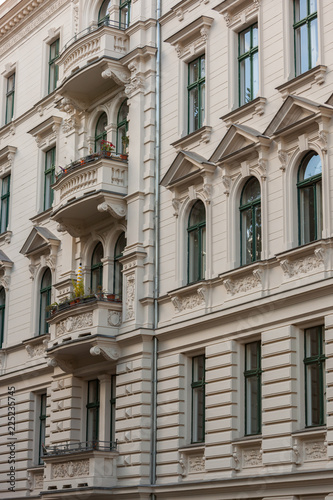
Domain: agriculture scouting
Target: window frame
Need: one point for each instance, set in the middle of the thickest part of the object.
(93, 405)
(47, 291)
(42, 426)
(5, 197)
(10, 95)
(319, 359)
(242, 57)
(96, 268)
(307, 20)
(243, 207)
(113, 400)
(201, 244)
(123, 4)
(250, 373)
(197, 84)
(117, 266)
(52, 65)
(103, 135)
(197, 385)
(120, 124)
(49, 172)
(315, 182)
(2, 316)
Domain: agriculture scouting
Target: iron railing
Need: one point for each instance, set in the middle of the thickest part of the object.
(92, 29)
(69, 448)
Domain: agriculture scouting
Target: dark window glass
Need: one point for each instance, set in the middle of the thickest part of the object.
(305, 35)
(93, 412)
(117, 272)
(252, 375)
(42, 427)
(45, 300)
(53, 67)
(250, 213)
(49, 177)
(248, 64)
(196, 231)
(122, 128)
(100, 132)
(196, 94)
(314, 365)
(198, 399)
(5, 194)
(97, 268)
(10, 94)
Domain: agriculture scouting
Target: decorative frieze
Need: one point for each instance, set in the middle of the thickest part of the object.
(305, 265)
(315, 450)
(196, 464)
(251, 457)
(244, 284)
(70, 469)
(73, 323)
(192, 461)
(190, 301)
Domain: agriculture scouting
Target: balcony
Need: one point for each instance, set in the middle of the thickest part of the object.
(89, 63)
(83, 332)
(91, 464)
(88, 190)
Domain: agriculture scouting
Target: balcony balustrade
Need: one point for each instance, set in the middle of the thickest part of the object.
(85, 58)
(88, 189)
(91, 464)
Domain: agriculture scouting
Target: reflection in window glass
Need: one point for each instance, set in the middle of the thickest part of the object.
(310, 199)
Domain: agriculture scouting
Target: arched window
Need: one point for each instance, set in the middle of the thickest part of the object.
(97, 268)
(103, 16)
(124, 13)
(122, 127)
(196, 231)
(310, 211)
(44, 301)
(250, 221)
(100, 132)
(117, 269)
(2, 314)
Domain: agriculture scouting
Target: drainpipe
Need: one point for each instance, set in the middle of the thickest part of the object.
(157, 238)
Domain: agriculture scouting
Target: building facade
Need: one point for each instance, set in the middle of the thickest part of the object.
(166, 306)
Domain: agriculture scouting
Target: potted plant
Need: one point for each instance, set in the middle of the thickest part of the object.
(78, 291)
(52, 308)
(107, 147)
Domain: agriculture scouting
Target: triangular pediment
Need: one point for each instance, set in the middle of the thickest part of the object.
(330, 100)
(185, 167)
(39, 239)
(296, 112)
(238, 139)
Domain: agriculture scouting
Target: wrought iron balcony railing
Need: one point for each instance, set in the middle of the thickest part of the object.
(69, 448)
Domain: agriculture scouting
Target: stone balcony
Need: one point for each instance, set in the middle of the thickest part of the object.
(83, 332)
(89, 63)
(88, 190)
(82, 466)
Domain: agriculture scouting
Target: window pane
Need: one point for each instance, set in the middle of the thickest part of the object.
(198, 214)
(202, 104)
(313, 394)
(48, 191)
(307, 212)
(313, 6)
(4, 212)
(202, 67)
(257, 215)
(255, 75)
(252, 396)
(198, 368)
(11, 83)
(314, 42)
(203, 253)
(193, 109)
(198, 415)
(312, 167)
(319, 211)
(194, 71)
(244, 41)
(252, 358)
(9, 110)
(194, 256)
(304, 48)
(255, 36)
(247, 229)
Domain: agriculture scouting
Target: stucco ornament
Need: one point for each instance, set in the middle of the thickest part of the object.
(73, 323)
(70, 469)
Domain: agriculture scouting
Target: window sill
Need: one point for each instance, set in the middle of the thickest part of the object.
(255, 107)
(5, 237)
(303, 82)
(202, 135)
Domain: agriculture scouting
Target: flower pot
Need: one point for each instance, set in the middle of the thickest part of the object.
(111, 297)
(123, 157)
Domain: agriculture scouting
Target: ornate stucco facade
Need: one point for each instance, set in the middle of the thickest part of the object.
(166, 306)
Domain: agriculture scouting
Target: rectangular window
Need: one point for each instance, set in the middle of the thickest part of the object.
(248, 64)
(49, 177)
(5, 193)
(113, 410)
(314, 365)
(42, 427)
(124, 13)
(196, 94)
(10, 93)
(252, 375)
(305, 35)
(53, 67)
(198, 399)
(93, 412)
